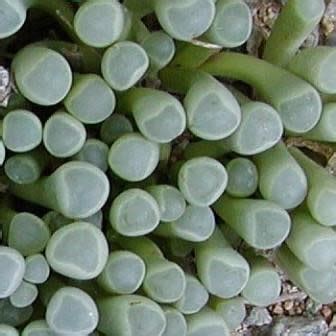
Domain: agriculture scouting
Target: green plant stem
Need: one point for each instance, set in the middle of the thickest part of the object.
(287, 93)
(281, 179)
(25, 295)
(200, 54)
(312, 243)
(195, 296)
(325, 129)
(130, 315)
(321, 189)
(262, 224)
(212, 111)
(153, 110)
(318, 285)
(23, 231)
(176, 323)
(207, 322)
(233, 310)
(61, 192)
(222, 270)
(196, 224)
(296, 21)
(316, 66)
(264, 284)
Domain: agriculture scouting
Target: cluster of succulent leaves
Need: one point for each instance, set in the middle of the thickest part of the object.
(132, 171)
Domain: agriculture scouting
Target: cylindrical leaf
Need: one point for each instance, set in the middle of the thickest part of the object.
(281, 179)
(170, 201)
(206, 322)
(24, 295)
(185, 21)
(37, 269)
(233, 311)
(176, 323)
(312, 243)
(262, 224)
(297, 20)
(63, 135)
(99, 23)
(134, 212)
(90, 99)
(12, 17)
(290, 102)
(160, 49)
(242, 177)
(123, 273)
(36, 328)
(27, 167)
(212, 111)
(78, 251)
(325, 128)
(75, 189)
(315, 66)
(321, 189)
(12, 268)
(27, 233)
(222, 270)
(195, 225)
(264, 284)
(21, 131)
(165, 281)
(84, 314)
(124, 64)
(133, 158)
(232, 24)
(202, 180)
(318, 285)
(159, 116)
(42, 75)
(7, 330)
(260, 129)
(95, 152)
(130, 315)
(194, 298)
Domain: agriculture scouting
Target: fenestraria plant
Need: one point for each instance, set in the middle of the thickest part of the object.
(144, 166)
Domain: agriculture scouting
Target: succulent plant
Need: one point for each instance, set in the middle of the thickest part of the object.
(145, 167)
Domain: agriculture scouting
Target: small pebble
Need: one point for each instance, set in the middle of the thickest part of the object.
(278, 310)
(289, 305)
(298, 310)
